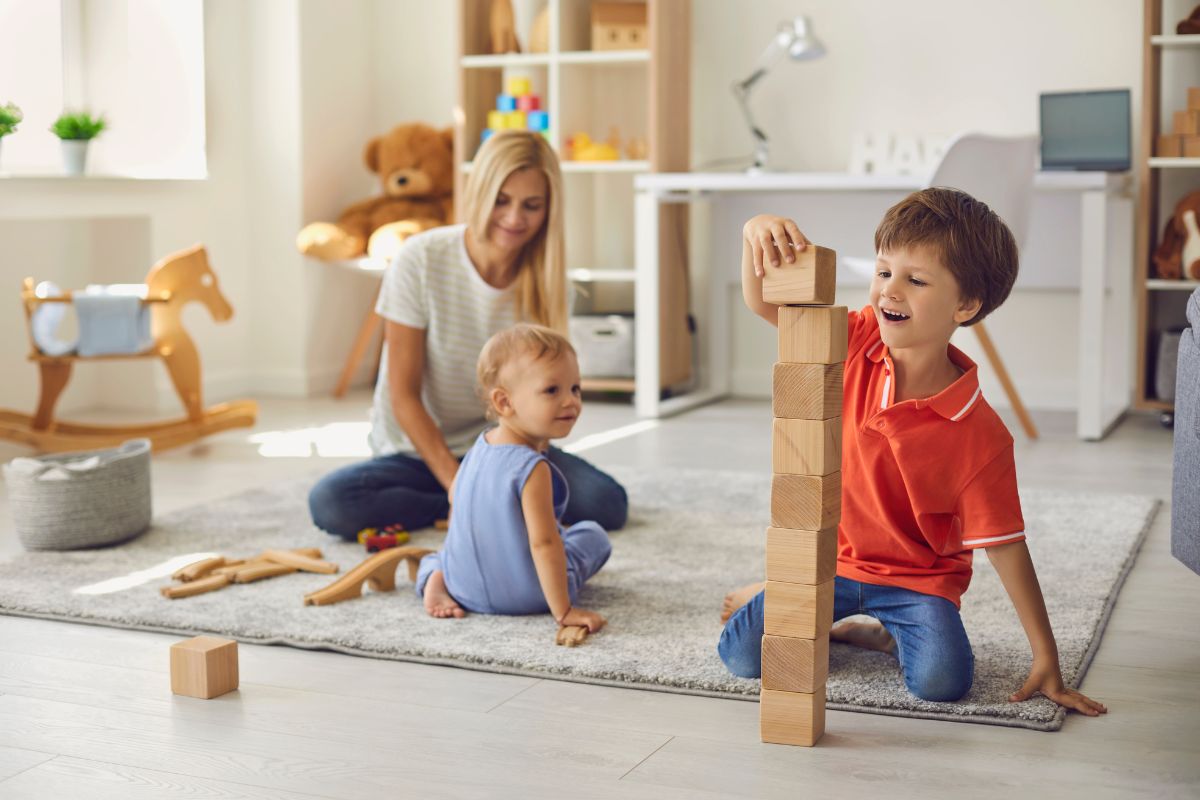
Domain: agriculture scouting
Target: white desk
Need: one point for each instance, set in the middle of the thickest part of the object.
(1105, 278)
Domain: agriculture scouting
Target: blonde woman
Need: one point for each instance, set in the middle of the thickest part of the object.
(444, 295)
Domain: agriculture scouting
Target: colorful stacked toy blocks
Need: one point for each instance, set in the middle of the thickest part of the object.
(806, 497)
(517, 109)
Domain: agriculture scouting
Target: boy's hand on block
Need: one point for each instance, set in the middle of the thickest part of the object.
(1047, 681)
(772, 240)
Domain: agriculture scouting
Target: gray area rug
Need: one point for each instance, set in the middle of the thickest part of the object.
(692, 537)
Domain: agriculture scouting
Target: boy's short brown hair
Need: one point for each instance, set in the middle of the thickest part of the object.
(510, 343)
(969, 238)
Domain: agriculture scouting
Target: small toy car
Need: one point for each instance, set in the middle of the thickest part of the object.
(375, 540)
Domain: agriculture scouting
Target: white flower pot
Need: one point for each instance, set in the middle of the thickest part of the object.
(74, 155)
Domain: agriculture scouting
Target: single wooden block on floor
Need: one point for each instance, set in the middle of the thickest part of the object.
(799, 610)
(796, 556)
(807, 391)
(813, 335)
(1191, 146)
(204, 667)
(794, 665)
(806, 446)
(806, 502)
(796, 718)
(809, 280)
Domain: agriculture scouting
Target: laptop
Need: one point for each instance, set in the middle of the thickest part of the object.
(1086, 131)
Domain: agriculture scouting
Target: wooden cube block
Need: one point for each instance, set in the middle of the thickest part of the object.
(812, 335)
(1187, 123)
(809, 280)
(796, 718)
(1169, 146)
(1191, 147)
(806, 446)
(807, 391)
(794, 665)
(806, 502)
(204, 667)
(1194, 98)
(801, 556)
(799, 610)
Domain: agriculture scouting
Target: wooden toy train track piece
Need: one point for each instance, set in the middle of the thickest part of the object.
(207, 584)
(378, 571)
(198, 569)
(301, 562)
(217, 572)
(571, 635)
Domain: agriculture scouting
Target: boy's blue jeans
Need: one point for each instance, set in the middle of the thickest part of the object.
(401, 488)
(931, 643)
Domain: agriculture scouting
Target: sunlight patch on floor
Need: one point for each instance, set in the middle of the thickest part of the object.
(163, 570)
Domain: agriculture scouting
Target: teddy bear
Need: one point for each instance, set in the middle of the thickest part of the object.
(415, 165)
(1178, 254)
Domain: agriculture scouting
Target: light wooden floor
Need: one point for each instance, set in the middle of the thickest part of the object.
(87, 712)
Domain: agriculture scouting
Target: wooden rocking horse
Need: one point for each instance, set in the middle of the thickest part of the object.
(172, 283)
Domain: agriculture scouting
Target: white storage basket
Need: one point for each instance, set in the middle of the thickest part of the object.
(604, 345)
(88, 499)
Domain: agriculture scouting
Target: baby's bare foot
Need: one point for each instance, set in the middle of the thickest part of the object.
(738, 598)
(438, 601)
(870, 635)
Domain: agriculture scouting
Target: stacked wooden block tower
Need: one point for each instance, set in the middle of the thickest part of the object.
(806, 496)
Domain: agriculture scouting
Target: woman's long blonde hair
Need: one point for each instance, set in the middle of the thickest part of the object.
(541, 285)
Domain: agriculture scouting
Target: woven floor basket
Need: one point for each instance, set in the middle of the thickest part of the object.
(87, 499)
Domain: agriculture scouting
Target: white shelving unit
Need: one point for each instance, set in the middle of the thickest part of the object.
(1170, 64)
(635, 93)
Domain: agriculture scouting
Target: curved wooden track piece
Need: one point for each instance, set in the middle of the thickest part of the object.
(378, 571)
(571, 635)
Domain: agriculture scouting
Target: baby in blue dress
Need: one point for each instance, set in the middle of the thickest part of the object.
(506, 551)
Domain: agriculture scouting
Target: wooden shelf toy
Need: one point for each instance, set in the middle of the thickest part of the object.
(204, 667)
(806, 497)
(178, 279)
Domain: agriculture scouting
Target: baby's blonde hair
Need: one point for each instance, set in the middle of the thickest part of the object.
(511, 343)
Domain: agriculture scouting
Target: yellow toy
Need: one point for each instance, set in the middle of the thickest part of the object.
(172, 283)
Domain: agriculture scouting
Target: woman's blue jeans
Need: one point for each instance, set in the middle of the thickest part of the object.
(401, 488)
(931, 643)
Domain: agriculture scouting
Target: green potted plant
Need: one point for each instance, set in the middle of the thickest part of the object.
(10, 115)
(76, 129)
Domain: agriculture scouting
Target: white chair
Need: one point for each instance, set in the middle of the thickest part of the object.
(999, 171)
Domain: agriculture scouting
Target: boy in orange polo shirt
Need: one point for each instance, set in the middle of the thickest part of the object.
(928, 474)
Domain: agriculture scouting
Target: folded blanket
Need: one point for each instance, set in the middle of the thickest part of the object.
(113, 320)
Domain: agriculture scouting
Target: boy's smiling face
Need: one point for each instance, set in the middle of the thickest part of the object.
(916, 298)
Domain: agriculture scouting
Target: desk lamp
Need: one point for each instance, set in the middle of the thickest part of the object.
(794, 39)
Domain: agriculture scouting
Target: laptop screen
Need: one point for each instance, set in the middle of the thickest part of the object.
(1086, 130)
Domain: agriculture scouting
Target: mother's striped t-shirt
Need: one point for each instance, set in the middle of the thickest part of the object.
(431, 284)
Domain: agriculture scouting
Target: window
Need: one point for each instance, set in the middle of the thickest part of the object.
(140, 63)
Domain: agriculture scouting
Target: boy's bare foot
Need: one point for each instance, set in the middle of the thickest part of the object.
(738, 598)
(871, 635)
(438, 601)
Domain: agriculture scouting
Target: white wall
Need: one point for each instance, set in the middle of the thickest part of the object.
(918, 67)
(295, 87)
